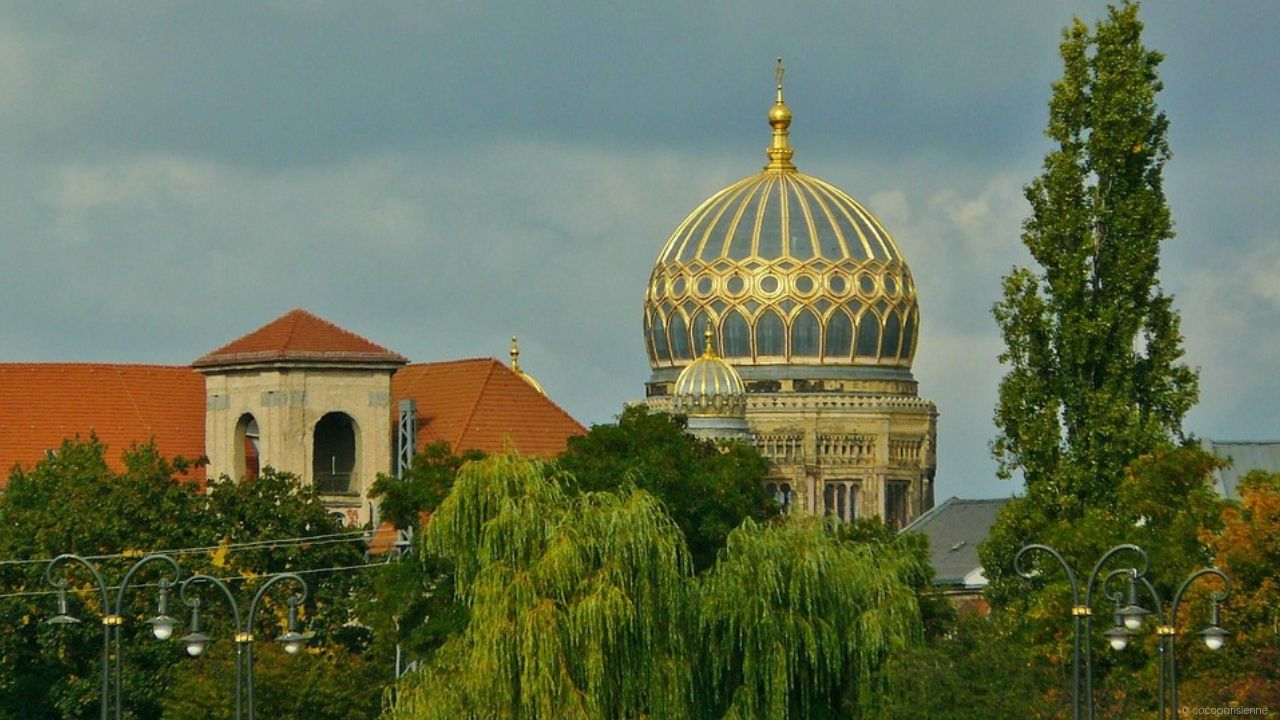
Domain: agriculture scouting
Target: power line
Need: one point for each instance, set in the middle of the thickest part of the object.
(272, 544)
(229, 578)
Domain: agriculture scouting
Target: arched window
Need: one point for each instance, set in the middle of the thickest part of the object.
(771, 335)
(333, 460)
(246, 448)
(892, 331)
(868, 335)
(657, 331)
(678, 331)
(908, 335)
(805, 335)
(737, 336)
(839, 335)
(699, 333)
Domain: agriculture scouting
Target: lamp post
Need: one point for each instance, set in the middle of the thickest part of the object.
(196, 641)
(112, 617)
(1129, 615)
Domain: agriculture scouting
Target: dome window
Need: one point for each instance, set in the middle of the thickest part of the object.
(678, 287)
(866, 284)
(735, 285)
(805, 284)
(908, 338)
(838, 284)
(661, 352)
(737, 336)
(805, 335)
(869, 336)
(705, 284)
(679, 333)
(839, 336)
(890, 286)
(771, 335)
(769, 284)
(892, 333)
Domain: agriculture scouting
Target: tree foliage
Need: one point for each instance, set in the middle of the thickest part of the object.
(74, 502)
(584, 605)
(708, 489)
(1246, 671)
(403, 500)
(1092, 342)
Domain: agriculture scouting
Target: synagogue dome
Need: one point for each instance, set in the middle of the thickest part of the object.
(785, 269)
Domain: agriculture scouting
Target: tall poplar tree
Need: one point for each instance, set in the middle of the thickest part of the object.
(1092, 341)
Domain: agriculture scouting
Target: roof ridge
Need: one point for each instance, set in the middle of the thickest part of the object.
(466, 423)
(87, 364)
(545, 397)
(128, 393)
(293, 316)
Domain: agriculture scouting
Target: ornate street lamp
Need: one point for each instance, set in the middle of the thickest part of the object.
(197, 641)
(112, 617)
(1129, 615)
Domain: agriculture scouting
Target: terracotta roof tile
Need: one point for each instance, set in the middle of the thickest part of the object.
(481, 404)
(41, 404)
(299, 336)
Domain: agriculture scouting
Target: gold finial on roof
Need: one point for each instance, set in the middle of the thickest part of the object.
(780, 152)
(515, 367)
(708, 351)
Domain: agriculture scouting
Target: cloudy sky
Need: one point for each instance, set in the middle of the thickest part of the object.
(441, 175)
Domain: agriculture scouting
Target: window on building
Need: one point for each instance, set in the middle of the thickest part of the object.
(840, 498)
(895, 504)
(333, 461)
(246, 448)
(781, 493)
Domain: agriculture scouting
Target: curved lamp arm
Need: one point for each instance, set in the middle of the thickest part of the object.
(193, 602)
(60, 583)
(1027, 573)
(295, 600)
(1138, 572)
(154, 557)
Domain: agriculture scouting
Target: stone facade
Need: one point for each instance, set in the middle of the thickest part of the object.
(287, 405)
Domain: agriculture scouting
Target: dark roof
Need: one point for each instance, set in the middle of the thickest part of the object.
(955, 529)
(299, 336)
(1245, 457)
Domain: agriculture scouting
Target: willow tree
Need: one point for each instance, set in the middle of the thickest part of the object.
(584, 605)
(579, 604)
(797, 621)
(1092, 342)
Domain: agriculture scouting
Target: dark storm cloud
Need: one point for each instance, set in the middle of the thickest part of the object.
(439, 176)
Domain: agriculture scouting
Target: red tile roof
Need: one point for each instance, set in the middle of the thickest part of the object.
(41, 404)
(481, 404)
(473, 404)
(299, 336)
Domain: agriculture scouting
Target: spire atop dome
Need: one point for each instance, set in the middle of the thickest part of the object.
(708, 351)
(515, 367)
(780, 152)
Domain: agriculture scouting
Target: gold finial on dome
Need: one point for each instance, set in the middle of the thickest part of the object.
(515, 367)
(780, 152)
(708, 351)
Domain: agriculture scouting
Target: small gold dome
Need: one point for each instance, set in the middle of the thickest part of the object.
(515, 368)
(710, 387)
(785, 269)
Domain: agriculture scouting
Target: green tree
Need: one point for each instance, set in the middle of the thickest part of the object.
(74, 502)
(584, 605)
(798, 622)
(1092, 342)
(402, 500)
(708, 488)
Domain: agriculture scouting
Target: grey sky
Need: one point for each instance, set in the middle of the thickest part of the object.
(438, 176)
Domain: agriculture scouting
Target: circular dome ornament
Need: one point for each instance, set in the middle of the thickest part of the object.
(782, 239)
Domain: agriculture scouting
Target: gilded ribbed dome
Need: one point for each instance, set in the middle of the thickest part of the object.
(709, 386)
(787, 270)
(515, 368)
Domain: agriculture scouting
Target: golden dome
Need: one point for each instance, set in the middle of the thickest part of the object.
(515, 368)
(786, 269)
(709, 386)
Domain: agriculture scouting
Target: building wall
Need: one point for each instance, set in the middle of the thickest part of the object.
(861, 442)
(287, 404)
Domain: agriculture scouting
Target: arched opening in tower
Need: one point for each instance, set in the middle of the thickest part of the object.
(246, 448)
(333, 460)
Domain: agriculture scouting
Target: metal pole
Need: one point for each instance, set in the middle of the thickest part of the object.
(1088, 612)
(235, 613)
(107, 617)
(1027, 573)
(119, 617)
(294, 600)
(1173, 622)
